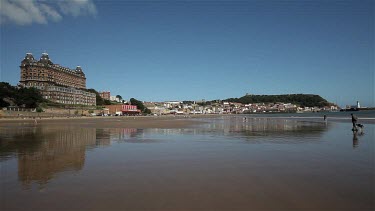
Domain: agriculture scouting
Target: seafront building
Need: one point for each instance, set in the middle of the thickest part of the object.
(122, 109)
(56, 83)
(106, 95)
(114, 98)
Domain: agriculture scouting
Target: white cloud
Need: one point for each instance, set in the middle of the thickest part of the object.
(25, 12)
(77, 7)
(50, 12)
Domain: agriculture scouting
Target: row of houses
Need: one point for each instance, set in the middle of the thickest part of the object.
(120, 110)
(181, 108)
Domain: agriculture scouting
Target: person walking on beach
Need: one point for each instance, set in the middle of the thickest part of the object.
(325, 118)
(354, 121)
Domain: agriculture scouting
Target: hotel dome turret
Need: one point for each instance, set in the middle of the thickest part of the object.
(45, 59)
(29, 58)
(79, 71)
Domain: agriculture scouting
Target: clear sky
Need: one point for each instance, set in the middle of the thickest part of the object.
(192, 50)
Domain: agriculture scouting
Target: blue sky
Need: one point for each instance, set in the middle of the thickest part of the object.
(191, 50)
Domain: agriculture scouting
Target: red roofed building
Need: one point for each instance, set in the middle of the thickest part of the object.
(123, 109)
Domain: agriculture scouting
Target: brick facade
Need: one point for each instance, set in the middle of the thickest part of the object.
(56, 83)
(124, 109)
(106, 95)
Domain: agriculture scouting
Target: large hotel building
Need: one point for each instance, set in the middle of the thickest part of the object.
(56, 83)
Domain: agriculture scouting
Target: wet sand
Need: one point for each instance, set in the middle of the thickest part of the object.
(177, 163)
(111, 122)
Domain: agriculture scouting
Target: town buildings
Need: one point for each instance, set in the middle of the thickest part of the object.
(115, 98)
(56, 83)
(122, 109)
(106, 95)
(191, 107)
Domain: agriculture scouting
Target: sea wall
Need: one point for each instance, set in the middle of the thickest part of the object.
(50, 112)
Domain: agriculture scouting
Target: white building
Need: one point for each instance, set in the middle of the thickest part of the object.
(114, 98)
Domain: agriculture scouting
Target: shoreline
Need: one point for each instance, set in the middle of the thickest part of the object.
(109, 122)
(12, 119)
(161, 121)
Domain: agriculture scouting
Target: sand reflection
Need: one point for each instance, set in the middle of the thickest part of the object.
(267, 130)
(211, 167)
(43, 152)
(356, 134)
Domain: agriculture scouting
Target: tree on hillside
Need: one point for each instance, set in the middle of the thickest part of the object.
(140, 106)
(119, 97)
(6, 91)
(99, 99)
(29, 97)
(304, 100)
(23, 97)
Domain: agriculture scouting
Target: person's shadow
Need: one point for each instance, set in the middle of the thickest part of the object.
(355, 138)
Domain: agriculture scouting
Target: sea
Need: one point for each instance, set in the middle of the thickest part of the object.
(230, 162)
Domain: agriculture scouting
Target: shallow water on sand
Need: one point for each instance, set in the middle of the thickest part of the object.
(227, 163)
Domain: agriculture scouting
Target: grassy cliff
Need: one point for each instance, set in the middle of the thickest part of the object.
(304, 100)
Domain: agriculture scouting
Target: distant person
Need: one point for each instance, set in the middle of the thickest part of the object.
(354, 122)
(325, 117)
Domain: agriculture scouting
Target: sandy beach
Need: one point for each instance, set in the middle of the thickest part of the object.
(165, 122)
(112, 122)
(186, 163)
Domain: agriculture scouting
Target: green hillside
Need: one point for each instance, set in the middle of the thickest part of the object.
(19, 96)
(304, 100)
